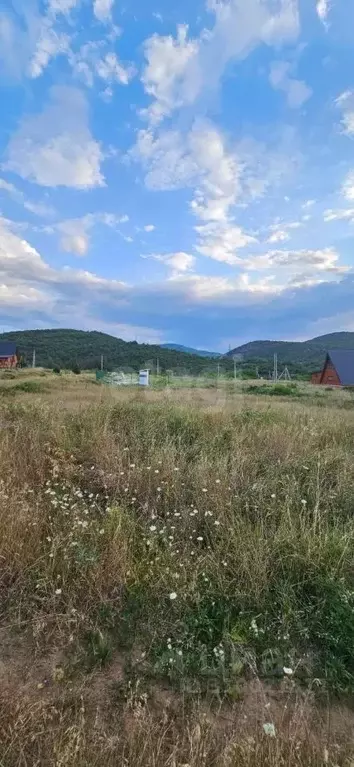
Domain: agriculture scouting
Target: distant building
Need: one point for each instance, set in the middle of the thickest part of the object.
(8, 355)
(338, 369)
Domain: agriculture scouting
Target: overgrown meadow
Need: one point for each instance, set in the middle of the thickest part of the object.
(177, 582)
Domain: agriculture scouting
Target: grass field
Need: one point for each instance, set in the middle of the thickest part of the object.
(176, 574)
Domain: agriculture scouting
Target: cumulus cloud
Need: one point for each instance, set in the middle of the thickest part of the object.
(256, 305)
(345, 102)
(49, 45)
(29, 40)
(178, 69)
(164, 77)
(103, 9)
(179, 262)
(149, 228)
(93, 62)
(297, 92)
(56, 148)
(221, 241)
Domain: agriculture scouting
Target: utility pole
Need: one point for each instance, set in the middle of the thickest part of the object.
(218, 370)
(235, 369)
(157, 367)
(34, 358)
(101, 361)
(275, 369)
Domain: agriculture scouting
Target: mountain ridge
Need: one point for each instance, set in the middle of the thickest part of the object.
(191, 350)
(61, 347)
(65, 347)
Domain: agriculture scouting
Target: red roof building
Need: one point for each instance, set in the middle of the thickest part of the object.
(8, 355)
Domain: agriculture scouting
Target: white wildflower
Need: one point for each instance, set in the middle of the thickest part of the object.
(269, 729)
(152, 528)
(173, 596)
(58, 592)
(288, 671)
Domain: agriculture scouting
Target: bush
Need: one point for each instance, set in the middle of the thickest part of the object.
(274, 390)
(76, 370)
(57, 371)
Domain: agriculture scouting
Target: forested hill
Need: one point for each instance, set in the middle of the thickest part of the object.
(65, 348)
(299, 356)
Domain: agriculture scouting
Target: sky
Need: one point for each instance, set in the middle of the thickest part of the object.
(178, 172)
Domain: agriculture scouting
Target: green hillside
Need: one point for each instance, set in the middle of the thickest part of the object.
(65, 348)
(300, 356)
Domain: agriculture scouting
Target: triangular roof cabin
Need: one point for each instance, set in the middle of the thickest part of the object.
(338, 369)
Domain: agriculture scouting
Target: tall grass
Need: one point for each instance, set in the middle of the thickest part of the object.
(206, 551)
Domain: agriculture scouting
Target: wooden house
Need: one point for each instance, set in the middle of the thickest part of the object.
(338, 369)
(8, 355)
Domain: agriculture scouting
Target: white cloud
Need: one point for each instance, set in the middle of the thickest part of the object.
(103, 9)
(40, 209)
(297, 92)
(279, 230)
(346, 214)
(42, 295)
(149, 228)
(75, 243)
(221, 241)
(49, 45)
(164, 75)
(75, 232)
(345, 102)
(56, 148)
(279, 236)
(179, 69)
(348, 186)
(64, 7)
(179, 262)
(91, 62)
(310, 261)
(308, 204)
(323, 8)
(6, 186)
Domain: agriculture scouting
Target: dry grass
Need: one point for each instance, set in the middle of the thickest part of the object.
(165, 555)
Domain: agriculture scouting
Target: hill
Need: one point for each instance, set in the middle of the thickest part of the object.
(190, 350)
(299, 356)
(64, 348)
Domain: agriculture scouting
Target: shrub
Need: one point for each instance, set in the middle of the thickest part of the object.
(76, 369)
(57, 371)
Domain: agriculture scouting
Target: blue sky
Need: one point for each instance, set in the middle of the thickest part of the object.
(178, 171)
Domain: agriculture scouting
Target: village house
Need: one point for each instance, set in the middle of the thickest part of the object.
(8, 355)
(338, 369)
